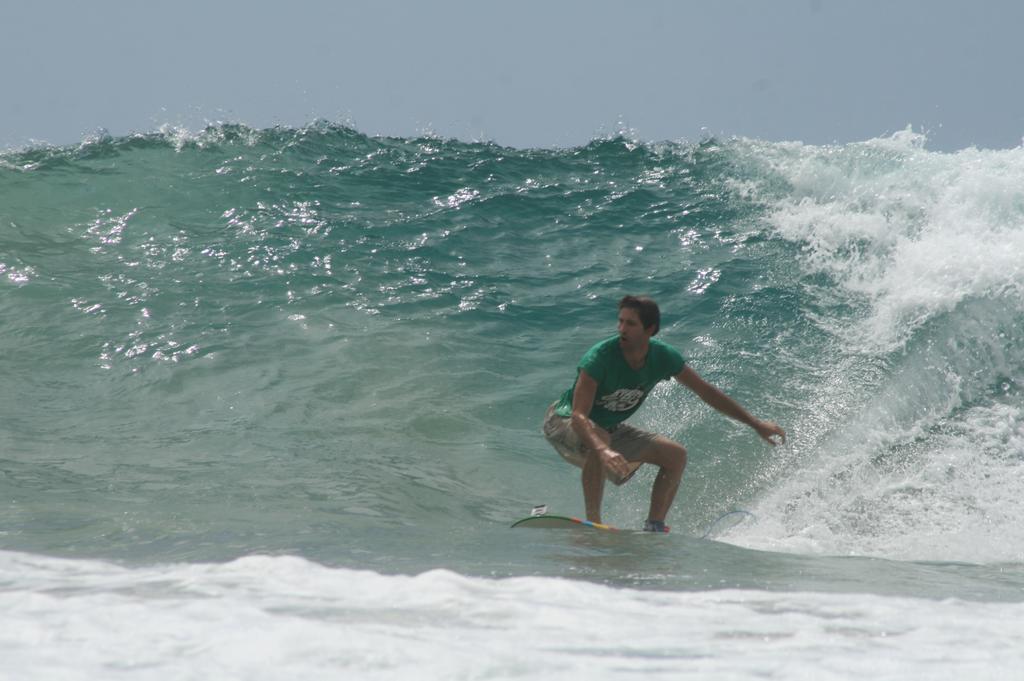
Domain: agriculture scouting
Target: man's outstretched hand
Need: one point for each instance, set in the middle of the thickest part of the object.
(769, 431)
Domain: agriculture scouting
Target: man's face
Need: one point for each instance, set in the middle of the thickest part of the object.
(631, 330)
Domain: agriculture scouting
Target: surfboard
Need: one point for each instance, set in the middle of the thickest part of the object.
(540, 519)
(561, 522)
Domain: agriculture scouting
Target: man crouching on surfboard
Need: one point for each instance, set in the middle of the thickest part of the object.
(587, 425)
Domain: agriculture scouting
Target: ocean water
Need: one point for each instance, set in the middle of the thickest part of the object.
(271, 400)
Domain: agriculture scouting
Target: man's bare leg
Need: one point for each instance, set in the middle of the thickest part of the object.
(593, 486)
(670, 457)
(593, 479)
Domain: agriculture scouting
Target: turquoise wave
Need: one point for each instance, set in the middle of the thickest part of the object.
(313, 341)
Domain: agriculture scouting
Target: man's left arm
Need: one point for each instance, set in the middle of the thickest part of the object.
(728, 406)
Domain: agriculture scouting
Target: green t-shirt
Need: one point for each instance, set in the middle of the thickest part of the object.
(620, 388)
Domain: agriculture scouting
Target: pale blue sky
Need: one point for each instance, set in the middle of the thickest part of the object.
(524, 73)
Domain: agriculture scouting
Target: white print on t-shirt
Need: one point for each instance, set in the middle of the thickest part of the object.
(623, 399)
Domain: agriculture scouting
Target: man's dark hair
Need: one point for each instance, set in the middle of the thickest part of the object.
(647, 310)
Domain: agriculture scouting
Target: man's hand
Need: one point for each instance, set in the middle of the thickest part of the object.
(613, 462)
(768, 430)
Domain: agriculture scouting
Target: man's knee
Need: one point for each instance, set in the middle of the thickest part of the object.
(674, 455)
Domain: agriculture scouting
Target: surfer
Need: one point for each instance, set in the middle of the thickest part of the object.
(587, 424)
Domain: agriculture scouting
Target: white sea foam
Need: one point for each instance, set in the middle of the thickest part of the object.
(286, 618)
(910, 232)
(923, 460)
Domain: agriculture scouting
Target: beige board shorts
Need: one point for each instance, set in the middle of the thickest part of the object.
(628, 441)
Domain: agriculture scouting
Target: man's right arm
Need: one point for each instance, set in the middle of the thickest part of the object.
(582, 402)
